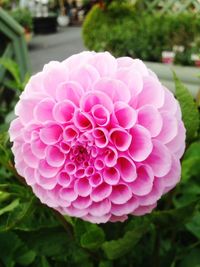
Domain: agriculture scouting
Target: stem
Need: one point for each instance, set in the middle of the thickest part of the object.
(65, 224)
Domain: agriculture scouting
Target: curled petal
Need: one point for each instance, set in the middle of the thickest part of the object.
(152, 93)
(141, 145)
(15, 128)
(174, 175)
(142, 210)
(121, 193)
(96, 179)
(101, 192)
(100, 114)
(83, 187)
(29, 174)
(110, 156)
(70, 167)
(115, 89)
(101, 208)
(101, 137)
(160, 159)
(71, 91)
(94, 219)
(144, 182)
(149, 117)
(51, 133)
(63, 111)
(68, 194)
(46, 170)
(82, 202)
(83, 121)
(126, 116)
(38, 148)
(127, 169)
(54, 156)
(126, 208)
(90, 99)
(99, 163)
(98, 61)
(120, 138)
(177, 145)
(55, 74)
(85, 75)
(43, 110)
(169, 129)
(30, 159)
(111, 176)
(132, 78)
(64, 179)
(70, 133)
(46, 183)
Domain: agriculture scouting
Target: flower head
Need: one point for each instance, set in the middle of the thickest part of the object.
(98, 137)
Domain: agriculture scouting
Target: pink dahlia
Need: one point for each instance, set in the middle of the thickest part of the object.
(98, 137)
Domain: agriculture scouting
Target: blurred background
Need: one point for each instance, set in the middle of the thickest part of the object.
(163, 33)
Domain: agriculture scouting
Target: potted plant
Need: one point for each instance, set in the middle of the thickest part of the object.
(24, 18)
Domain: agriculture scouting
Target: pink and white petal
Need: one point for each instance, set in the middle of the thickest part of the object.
(91, 99)
(51, 133)
(82, 202)
(174, 175)
(160, 159)
(101, 208)
(29, 158)
(125, 115)
(101, 192)
(152, 93)
(55, 73)
(144, 181)
(54, 156)
(169, 128)
(82, 187)
(115, 89)
(121, 193)
(142, 210)
(43, 110)
(121, 219)
(15, 129)
(120, 138)
(93, 219)
(132, 78)
(105, 64)
(111, 176)
(63, 111)
(85, 75)
(127, 169)
(177, 145)
(149, 117)
(71, 91)
(141, 145)
(46, 170)
(83, 121)
(126, 208)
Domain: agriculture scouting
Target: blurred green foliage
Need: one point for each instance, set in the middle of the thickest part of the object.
(23, 17)
(124, 30)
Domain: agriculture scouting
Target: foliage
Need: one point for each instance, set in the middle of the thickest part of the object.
(10, 87)
(23, 17)
(123, 30)
(34, 235)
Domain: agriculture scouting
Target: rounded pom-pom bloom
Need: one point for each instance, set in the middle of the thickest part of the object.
(98, 137)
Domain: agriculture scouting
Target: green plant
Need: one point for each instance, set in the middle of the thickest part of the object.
(125, 31)
(23, 17)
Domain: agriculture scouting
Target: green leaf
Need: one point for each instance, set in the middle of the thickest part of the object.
(27, 258)
(189, 109)
(10, 207)
(93, 239)
(106, 264)
(194, 225)
(117, 248)
(192, 259)
(175, 217)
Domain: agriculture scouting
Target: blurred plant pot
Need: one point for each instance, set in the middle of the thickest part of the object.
(196, 59)
(63, 20)
(168, 57)
(28, 35)
(45, 25)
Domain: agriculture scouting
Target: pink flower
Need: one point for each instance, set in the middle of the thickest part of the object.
(98, 137)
